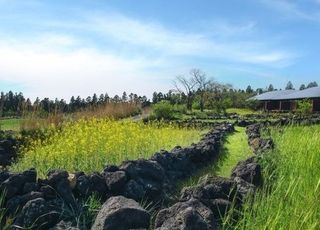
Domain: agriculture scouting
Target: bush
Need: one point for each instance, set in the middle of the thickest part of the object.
(304, 107)
(163, 110)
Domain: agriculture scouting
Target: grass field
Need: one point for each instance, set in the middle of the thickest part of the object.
(234, 150)
(293, 202)
(242, 111)
(10, 124)
(88, 145)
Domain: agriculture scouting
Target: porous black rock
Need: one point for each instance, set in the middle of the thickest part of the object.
(120, 213)
(191, 214)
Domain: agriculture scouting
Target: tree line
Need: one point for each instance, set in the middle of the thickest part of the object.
(197, 91)
(15, 104)
(194, 91)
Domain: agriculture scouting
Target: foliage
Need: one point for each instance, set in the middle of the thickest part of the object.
(84, 217)
(304, 106)
(163, 110)
(88, 145)
(291, 195)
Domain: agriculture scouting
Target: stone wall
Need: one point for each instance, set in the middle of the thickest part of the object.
(203, 205)
(39, 203)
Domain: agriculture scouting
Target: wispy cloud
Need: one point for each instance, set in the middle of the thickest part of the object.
(114, 53)
(293, 9)
(177, 43)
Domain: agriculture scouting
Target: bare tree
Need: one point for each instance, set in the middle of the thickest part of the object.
(186, 86)
(202, 84)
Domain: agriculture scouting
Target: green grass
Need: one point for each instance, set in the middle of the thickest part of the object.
(293, 202)
(235, 149)
(10, 124)
(89, 145)
(242, 111)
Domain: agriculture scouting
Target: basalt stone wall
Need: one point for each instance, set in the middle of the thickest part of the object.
(40, 203)
(8, 151)
(203, 205)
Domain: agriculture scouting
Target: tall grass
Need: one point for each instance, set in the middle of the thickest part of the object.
(89, 144)
(37, 119)
(111, 110)
(291, 197)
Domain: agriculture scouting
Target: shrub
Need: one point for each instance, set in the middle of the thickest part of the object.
(163, 110)
(304, 107)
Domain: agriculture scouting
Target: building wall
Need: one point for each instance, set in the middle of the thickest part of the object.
(316, 105)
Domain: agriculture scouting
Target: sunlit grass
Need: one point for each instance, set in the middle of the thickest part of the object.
(89, 145)
(10, 124)
(235, 149)
(293, 202)
(242, 111)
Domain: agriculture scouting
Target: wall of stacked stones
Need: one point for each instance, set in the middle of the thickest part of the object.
(39, 202)
(203, 205)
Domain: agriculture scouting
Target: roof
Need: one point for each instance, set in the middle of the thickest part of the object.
(273, 95)
(288, 94)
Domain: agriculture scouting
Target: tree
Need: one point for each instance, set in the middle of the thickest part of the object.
(302, 87)
(289, 86)
(249, 90)
(154, 97)
(270, 88)
(101, 99)
(202, 84)
(186, 86)
(312, 84)
(124, 97)
(94, 99)
(259, 91)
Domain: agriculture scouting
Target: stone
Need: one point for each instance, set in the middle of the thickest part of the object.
(210, 188)
(116, 181)
(248, 170)
(17, 202)
(37, 214)
(58, 179)
(134, 190)
(143, 169)
(98, 184)
(64, 226)
(120, 213)
(191, 215)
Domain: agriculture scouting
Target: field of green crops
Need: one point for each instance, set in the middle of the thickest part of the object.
(89, 145)
(292, 196)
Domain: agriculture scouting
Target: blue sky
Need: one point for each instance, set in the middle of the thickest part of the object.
(62, 48)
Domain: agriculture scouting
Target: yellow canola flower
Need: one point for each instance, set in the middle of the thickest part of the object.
(90, 144)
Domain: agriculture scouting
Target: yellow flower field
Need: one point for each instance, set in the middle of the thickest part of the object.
(89, 145)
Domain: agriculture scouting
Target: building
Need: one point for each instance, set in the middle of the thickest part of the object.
(286, 100)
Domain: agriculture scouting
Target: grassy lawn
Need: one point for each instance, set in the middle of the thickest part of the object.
(293, 202)
(10, 124)
(234, 150)
(242, 111)
(89, 145)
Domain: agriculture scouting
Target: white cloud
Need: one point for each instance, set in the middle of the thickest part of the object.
(60, 64)
(293, 10)
(50, 73)
(178, 43)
